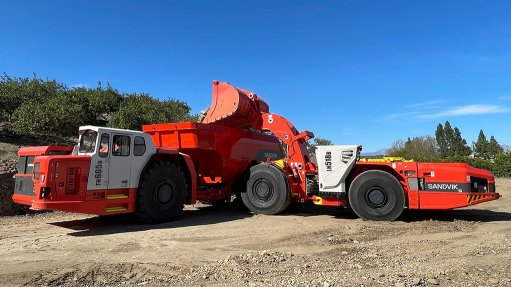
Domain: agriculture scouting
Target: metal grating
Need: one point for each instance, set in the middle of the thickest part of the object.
(70, 181)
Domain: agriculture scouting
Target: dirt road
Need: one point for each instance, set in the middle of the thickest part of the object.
(217, 247)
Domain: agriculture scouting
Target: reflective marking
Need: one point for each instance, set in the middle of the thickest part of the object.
(114, 209)
(116, 196)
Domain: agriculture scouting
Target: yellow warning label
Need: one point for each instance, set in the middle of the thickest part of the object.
(318, 200)
(280, 163)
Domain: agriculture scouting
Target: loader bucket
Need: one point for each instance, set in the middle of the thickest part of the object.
(235, 107)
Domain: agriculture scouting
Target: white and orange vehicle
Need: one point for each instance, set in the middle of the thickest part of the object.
(239, 148)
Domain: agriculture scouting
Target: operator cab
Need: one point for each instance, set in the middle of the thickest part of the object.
(117, 156)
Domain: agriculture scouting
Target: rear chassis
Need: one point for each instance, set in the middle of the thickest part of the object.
(428, 186)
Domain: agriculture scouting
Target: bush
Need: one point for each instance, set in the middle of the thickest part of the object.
(423, 147)
(14, 92)
(501, 167)
(137, 110)
(34, 106)
(100, 103)
(59, 116)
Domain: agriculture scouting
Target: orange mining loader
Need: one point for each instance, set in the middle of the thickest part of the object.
(238, 148)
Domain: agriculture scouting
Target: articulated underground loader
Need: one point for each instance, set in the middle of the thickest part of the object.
(239, 148)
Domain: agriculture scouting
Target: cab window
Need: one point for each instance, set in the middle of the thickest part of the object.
(104, 145)
(25, 164)
(139, 146)
(121, 145)
(88, 141)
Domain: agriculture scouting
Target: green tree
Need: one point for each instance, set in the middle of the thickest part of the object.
(502, 165)
(494, 149)
(450, 142)
(14, 92)
(417, 148)
(459, 145)
(481, 146)
(100, 103)
(311, 147)
(449, 138)
(59, 116)
(139, 109)
(443, 148)
(35, 106)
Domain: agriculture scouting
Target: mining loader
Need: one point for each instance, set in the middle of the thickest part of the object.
(239, 149)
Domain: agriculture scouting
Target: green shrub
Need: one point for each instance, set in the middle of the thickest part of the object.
(14, 92)
(502, 165)
(137, 110)
(48, 108)
(59, 116)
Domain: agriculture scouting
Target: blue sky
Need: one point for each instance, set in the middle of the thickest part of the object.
(355, 72)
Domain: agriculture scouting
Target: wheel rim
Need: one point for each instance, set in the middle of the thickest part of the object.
(376, 197)
(164, 193)
(262, 190)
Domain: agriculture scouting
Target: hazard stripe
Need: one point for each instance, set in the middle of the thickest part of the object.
(471, 198)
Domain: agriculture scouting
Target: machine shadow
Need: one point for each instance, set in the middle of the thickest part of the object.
(473, 215)
(310, 209)
(104, 225)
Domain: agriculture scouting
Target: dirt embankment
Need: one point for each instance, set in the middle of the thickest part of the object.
(314, 246)
(8, 161)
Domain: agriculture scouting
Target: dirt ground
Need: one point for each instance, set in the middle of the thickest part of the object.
(210, 246)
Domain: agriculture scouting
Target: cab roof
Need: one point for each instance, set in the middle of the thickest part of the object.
(104, 129)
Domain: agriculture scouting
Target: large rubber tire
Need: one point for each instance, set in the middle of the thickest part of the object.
(267, 190)
(376, 195)
(162, 193)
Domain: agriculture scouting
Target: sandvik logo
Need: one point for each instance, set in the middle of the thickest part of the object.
(448, 187)
(443, 186)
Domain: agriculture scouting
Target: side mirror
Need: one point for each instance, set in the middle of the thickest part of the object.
(75, 150)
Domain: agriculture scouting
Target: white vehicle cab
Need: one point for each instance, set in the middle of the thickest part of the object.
(117, 156)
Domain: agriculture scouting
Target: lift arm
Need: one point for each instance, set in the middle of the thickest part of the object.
(289, 135)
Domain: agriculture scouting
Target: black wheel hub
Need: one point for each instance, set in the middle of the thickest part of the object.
(262, 190)
(376, 197)
(164, 193)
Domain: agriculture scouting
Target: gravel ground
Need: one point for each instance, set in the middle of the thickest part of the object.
(210, 246)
